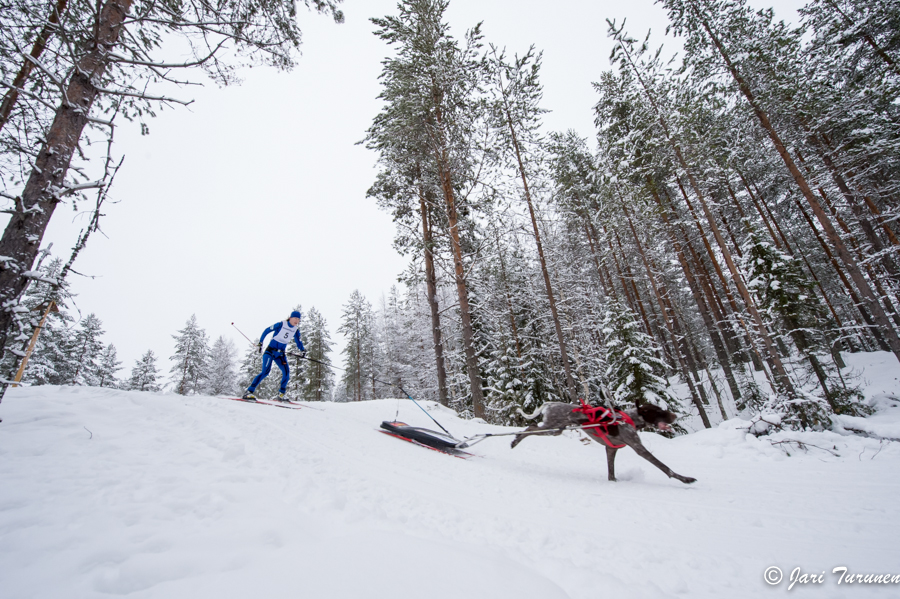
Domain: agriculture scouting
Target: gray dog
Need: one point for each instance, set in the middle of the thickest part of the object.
(559, 415)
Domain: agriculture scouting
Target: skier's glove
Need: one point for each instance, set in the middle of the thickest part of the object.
(303, 354)
(259, 347)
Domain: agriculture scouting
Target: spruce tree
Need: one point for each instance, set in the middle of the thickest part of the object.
(635, 375)
(358, 326)
(85, 352)
(317, 382)
(788, 299)
(145, 374)
(107, 367)
(189, 369)
(221, 370)
(296, 365)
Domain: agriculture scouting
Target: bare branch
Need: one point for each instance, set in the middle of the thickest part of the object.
(143, 96)
(122, 59)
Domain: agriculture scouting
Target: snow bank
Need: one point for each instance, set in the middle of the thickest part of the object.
(109, 493)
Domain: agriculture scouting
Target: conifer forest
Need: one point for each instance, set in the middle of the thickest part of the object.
(728, 233)
(732, 224)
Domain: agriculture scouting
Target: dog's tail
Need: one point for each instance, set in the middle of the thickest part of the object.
(536, 413)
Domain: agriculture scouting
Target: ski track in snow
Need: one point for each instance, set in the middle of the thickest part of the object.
(109, 493)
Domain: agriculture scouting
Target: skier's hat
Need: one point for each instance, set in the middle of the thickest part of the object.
(296, 314)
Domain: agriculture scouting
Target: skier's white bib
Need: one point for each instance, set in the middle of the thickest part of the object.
(286, 333)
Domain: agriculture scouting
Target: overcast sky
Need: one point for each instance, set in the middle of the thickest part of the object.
(253, 199)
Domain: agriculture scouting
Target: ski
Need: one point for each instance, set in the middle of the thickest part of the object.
(281, 404)
(456, 453)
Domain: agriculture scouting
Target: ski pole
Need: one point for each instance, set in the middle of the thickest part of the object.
(242, 334)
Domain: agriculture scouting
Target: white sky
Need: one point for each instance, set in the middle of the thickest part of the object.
(253, 199)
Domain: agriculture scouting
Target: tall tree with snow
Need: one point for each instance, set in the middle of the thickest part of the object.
(358, 327)
(190, 360)
(430, 89)
(317, 381)
(85, 352)
(732, 37)
(516, 115)
(221, 367)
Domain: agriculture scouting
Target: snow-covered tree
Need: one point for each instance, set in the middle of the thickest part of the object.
(145, 374)
(107, 367)
(428, 136)
(190, 359)
(221, 367)
(317, 380)
(635, 375)
(358, 326)
(85, 352)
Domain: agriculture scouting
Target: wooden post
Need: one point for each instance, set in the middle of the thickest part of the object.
(51, 307)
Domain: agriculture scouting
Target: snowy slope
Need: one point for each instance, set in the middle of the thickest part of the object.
(109, 493)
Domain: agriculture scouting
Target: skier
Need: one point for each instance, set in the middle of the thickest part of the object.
(283, 331)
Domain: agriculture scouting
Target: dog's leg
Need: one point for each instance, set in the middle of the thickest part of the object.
(553, 432)
(518, 438)
(611, 462)
(630, 437)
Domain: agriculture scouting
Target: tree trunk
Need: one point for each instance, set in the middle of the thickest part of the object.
(512, 317)
(22, 238)
(570, 382)
(468, 333)
(884, 225)
(431, 293)
(40, 44)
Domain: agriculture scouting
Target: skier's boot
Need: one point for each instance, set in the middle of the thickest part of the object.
(281, 397)
(249, 395)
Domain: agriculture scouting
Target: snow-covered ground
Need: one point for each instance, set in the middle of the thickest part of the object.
(109, 493)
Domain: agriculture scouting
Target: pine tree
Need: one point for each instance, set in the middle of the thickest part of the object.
(516, 115)
(634, 374)
(145, 374)
(296, 365)
(317, 381)
(107, 367)
(358, 326)
(788, 298)
(432, 107)
(747, 45)
(85, 352)
(221, 369)
(191, 356)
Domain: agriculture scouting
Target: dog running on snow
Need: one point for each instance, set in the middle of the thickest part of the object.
(559, 415)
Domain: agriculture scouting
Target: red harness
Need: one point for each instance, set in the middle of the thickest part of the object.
(599, 421)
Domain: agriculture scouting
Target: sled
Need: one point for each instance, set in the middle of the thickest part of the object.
(424, 437)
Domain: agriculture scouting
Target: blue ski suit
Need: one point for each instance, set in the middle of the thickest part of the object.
(283, 333)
